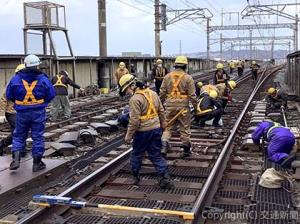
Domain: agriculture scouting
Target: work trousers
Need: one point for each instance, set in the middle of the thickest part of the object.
(60, 103)
(280, 147)
(33, 120)
(184, 122)
(215, 114)
(150, 142)
(158, 83)
(254, 74)
(240, 71)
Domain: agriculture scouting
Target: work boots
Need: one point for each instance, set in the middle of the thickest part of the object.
(15, 164)
(38, 164)
(165, 182)
(186, 151)
(136, 179)
(287, 162)
(164, 148)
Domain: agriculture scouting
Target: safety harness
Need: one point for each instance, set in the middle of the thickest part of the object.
(151, 112)
(29, 98)
(160, 73)
(202, 112)
(59, 81)
(175, 93)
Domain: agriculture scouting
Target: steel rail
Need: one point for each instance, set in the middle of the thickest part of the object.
(209, 189)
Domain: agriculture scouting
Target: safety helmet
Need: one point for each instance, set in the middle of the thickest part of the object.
(32, 61)
(200, 84)
(158, 61)
(213, 94)
(122, 65)
(232, 84)
(220, 66)
(271, 90)
(19, 67)
(125, 81)
(64, 72)
(181, 60)
(253, 62)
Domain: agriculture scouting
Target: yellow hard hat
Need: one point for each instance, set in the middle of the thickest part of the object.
(122, 65)
(213, 94)
(253, 62)
(181, 60)
(158, 61)
(125, 81)
(200, 84)
(232, 84)
(19, 67)
(220, 66)
(271, 90)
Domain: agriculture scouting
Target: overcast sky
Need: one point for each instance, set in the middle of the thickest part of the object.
(128, 28)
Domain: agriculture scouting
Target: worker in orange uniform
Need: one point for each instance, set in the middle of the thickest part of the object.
(224, 91)
(177, 91)
(122, 70)
(221, 75)
(8, 113)
(158, 73)
(146, 121)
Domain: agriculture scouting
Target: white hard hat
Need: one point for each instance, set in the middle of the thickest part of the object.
(32, 60)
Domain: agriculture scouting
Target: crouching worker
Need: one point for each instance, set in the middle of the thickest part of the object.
(146, 122)
(276, 98)
(209, 108)
(280, 142)
(31, 91)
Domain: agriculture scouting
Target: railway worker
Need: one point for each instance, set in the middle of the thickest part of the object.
(61, 100)
(231, 67)
(240, 68)
(159, 71)
(254, 69)
(209, 108)
(220, 75)
(198, 87)
(177, 91)
(280, 142)
(146, 122)
(276, 98)
(31, 91)
(8, 113)
(122, 70)
(224, 91)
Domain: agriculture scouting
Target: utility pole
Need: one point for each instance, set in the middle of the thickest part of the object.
(296, 33)
(221, 47)
(231, 51)
(102, 28)
(157, 28)
(250, 34)
(207, 40)
(180, 47)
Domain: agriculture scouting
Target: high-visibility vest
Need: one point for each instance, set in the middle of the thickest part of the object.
(202, 112)
(276, 125)
(29, 98)
(59, 81)
(175, 93)
(151, 112)
(160, 73)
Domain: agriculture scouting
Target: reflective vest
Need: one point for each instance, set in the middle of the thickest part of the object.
(160, 73)
(202, 112)
(231, 65)
(208, 88)
(29, 98)
(220, 79)
(59, 81)
(151, 112)
(175, 93)
(276, 125)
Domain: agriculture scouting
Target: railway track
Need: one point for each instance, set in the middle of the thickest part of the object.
(111, 183)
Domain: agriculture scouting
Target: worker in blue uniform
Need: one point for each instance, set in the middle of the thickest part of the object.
(280, 142)
(146, 120)
(31, 91)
